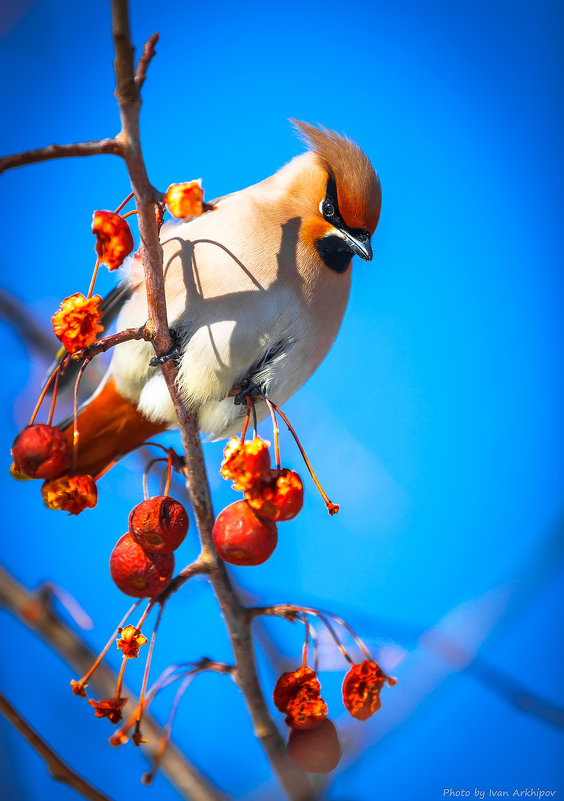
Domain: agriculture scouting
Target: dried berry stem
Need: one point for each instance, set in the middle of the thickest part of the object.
(75, 433)
(275, 432)
(168, 473)
(306, 640)
(141, 704)
(54, 398)
(124, 203)
(43, 393)
(108, 645)
(144, 615)
(148, 777)
(93, 279)
(120, 677)
(246, 423)
(129, 213)
(332, 508)
(158, 460)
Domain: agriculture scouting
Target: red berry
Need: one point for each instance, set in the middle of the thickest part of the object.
(279, 498)
(242, 538)
(41, 451)
(137, 573)
(159, 525)
(315, 750)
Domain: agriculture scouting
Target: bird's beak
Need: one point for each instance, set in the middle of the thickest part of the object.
(362, 249)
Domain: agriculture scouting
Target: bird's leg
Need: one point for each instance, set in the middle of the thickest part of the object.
(246, 389)
(174, 353)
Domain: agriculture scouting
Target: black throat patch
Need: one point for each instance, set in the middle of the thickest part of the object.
(335, 252)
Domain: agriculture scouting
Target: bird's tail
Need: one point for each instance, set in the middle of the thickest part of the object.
(108, 427)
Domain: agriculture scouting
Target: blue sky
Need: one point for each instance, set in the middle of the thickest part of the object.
(435, 420)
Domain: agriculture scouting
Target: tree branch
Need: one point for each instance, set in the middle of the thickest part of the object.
(96, 148)
(102, 345)
(143, 63)
(43, 621)
(58, 769)
(295, 782)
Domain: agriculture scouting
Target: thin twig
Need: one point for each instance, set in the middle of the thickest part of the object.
(58, 769)
(96, 148)
(43, 621)
(145, 60)
(102, 345)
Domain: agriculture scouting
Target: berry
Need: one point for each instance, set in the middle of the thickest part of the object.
(72, 492)
(242, 538)
(315, 750)
(41, 451)
(279, 498)
(361, 689)
(159, 525)
(137, 573)
(246, 463)
(289, 684)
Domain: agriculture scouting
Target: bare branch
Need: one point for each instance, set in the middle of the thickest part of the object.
(58, 769)
(294, 780)
(145, 60)
(96, 148)
(102, 345)
(41, 619)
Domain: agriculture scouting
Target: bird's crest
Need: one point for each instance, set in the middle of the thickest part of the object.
(358, 186)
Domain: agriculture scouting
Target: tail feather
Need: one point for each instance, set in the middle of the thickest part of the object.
(108, 426)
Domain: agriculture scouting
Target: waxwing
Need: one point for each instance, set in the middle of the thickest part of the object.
(256, 290)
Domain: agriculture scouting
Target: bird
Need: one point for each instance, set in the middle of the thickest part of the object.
(256, 290)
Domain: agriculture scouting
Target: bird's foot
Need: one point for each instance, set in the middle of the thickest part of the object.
(174, 353)
(246, 389)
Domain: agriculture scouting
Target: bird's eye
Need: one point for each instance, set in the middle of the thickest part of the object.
(328, 209)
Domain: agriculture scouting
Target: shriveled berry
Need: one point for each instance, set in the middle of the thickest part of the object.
(138, 573)
(361, 689)
(71, 492)
(240, 537)
(159, 524)
(315, 750)
(306, 710)
(290, 683)
(41, 451)
(246, 463)
(278, 498)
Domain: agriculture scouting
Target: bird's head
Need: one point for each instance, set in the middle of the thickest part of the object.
(347, 200)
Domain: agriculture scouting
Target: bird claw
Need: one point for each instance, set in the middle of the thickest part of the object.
(174, 353)
(248, 390)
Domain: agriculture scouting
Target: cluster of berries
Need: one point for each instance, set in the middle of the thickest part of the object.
(313, 743)
(42, 451)
(142, 561)
(245, 532)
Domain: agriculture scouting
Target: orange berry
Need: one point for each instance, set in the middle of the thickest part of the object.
(242, 538)
(114, 240)
(246, 463)
(72, 492)
(361, 689)
(278, 498)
